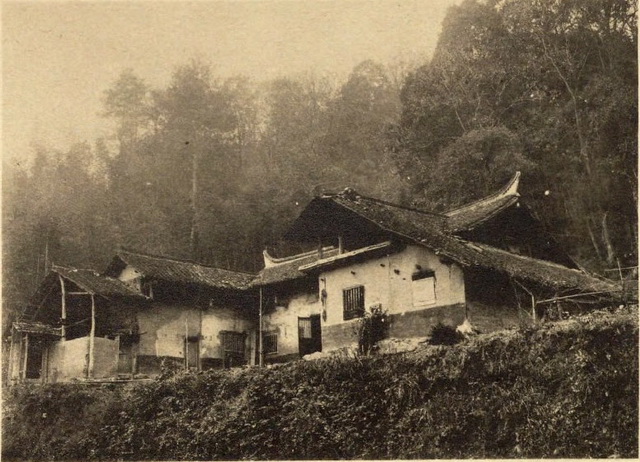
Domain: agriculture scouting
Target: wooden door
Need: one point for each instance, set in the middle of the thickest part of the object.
(192, 353)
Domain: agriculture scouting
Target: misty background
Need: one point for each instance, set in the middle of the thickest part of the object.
(201, 130)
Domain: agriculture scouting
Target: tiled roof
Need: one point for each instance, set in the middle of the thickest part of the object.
(283, 270)
(540, 271)
(431, 231)
(471, 215)
(184, 271)
(95, 283)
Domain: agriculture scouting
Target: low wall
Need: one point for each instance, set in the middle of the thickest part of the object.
(488, 318)
(402, 325)
(105, 357)
(68, 360)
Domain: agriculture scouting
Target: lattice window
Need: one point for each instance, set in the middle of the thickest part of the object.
(353, 302)
(269, 343)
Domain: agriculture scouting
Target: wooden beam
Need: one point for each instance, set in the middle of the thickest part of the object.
(555, 299)
(260, 347)
(92, 334)
(79, 293)
(63, 315)
(533, 299)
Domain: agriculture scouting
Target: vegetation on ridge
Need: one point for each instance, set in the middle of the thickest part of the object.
(564, 389)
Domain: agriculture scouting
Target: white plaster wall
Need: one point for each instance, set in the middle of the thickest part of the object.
(216, 320)
(163, 329)
(129, 273)
(284, 320)
(68, 359)
(387, 281)
(105, 357)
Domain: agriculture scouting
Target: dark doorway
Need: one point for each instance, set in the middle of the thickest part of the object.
(34, 359)
(309, 335)
(126, 363)
(192, 353)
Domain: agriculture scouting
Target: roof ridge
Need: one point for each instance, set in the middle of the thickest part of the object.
(403, 207)
(179, 260)
(73, 268)
(509, 189)
(352, 195)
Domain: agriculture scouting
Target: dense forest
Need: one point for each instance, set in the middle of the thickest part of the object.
(215, 169)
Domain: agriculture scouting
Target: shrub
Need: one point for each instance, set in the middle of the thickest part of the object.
(371, 328)
(561, 390)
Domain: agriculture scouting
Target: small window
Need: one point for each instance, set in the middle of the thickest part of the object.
(353, 302)
(423, 288)
(269, 343)
(147, 289)
(233, 342)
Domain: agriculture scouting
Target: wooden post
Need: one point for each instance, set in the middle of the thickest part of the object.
(92, 335)
(186, 343)
(44, 373)
(11, 356)
(340, 245)
(63, 315)
(23, 374)
(533, 308)
(260, 349)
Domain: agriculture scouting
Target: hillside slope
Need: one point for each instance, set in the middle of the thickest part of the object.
(567, 389)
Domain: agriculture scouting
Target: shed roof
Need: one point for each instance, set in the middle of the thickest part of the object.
(543, 272)
(182, 271)
(32, 327)
(288, 269)
(87, 280)
(337, 260)
(95, 283)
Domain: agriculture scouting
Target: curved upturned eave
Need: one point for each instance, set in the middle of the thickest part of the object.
(475, 213)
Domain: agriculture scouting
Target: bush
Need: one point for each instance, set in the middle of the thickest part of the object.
(371, 328)
(561, 390)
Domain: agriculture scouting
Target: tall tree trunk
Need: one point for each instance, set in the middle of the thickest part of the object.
(594, 241)
(607, 240)
(193, 237)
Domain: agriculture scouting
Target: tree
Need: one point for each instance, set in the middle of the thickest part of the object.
(549, 73)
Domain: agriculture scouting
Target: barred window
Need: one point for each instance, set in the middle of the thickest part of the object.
(269, 343)
(233, 342)
(353, 302)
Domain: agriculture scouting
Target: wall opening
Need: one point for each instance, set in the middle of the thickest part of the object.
(309, 335)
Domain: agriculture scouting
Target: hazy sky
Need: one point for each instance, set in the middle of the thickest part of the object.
(59, 57)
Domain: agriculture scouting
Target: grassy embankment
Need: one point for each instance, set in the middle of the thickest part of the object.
(568, 389)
